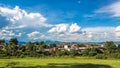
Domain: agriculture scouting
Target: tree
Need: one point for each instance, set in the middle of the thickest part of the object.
(110, 46)
(52, 45)
(42, 45)
(13, 41)
(89, 52)
(36, 43)
(81, 45)
(2, 41)
(29, 46)
(13, 49)
(119, 46)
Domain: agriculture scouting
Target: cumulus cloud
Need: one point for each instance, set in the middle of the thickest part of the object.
(63, 28)
(6, 34)
(117, 30)
(99, 29)
(113, 9)
(87, 34)
(34, 35)
(21, 17)
(100, 33)
(74, 28)
(60, 28)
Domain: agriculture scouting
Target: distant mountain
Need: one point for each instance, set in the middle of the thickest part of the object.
(22, 42)
(60, 42)
(53, 42)
(117, 42)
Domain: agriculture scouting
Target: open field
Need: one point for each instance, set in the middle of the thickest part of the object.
(59, 63)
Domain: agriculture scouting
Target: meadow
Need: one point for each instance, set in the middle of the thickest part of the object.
(56, 62)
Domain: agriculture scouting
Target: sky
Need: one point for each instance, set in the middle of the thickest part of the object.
(60, 20)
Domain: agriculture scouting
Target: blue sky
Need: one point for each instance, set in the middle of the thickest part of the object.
(60, 20)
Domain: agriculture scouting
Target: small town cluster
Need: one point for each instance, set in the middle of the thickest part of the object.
(38, 49)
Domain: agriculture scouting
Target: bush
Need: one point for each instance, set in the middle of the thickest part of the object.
(73, 53)
(101, 56)
(2, 55)
(62, 53)
(85, 52)
(90, 52)
(114, 55)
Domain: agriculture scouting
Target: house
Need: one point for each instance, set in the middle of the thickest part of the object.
(67, 47)
(101, 46)
(75, 47)
(88, 46)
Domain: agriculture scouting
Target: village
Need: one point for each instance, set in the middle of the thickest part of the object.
(77, 47)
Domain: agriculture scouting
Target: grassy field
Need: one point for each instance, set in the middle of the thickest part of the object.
(65, 62)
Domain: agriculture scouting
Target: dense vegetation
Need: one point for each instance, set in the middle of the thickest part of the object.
(40, 49)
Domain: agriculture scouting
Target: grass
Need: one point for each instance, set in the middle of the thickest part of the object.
(64, 62)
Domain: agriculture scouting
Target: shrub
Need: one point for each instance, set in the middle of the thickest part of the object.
(73, 53)
(85, 52)
(101, 56)
(62, 53)
(2, 55)
(114, 55)
(90, 52)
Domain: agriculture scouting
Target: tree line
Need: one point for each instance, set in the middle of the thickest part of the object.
(40, 49)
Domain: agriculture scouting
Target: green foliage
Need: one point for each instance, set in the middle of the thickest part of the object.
(85, 52)
(114, 55)
(90, 52)
(94, 45)
(29, 46)
(62, 53)
(93, 52)
(81, 45)
(40, 49)
(13, 41)
(2, 41)
(101, 56)
(73, 53)
(42, 45)
(119, 46)
(110, 47)
(52, 45)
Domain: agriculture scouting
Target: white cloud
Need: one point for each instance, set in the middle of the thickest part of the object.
(74, 28)
(6, 34)
(21, 17)
(14, 27)
(100, 33)
(90, 35)
(60, 28)
(63, 28)
(113, 9)
(99, 29)
(66, 32)
(87, 34)
(19, 34)
(34, 35)
(117, 31)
